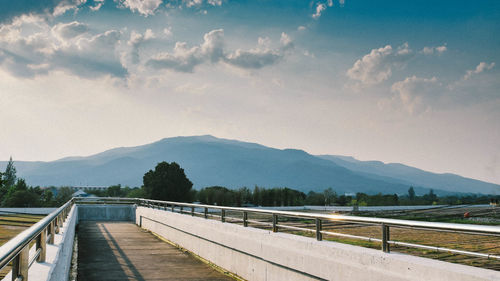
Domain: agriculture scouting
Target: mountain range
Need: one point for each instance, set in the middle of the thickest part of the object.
(209, 161)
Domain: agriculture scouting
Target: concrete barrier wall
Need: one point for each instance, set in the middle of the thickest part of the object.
(106, 212)
(62, 264)
(58, 258)
(256, 254)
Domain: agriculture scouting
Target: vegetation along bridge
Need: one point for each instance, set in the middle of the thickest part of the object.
(139, 239)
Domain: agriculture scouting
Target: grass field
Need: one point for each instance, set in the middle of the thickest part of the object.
(13, 224)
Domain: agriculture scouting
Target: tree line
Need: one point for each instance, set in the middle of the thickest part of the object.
(169, 182)
(14, 192)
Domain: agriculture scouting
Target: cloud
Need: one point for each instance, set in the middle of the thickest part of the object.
(479, 68)
(415, 93)
(431, 50)
(18, 8)
(320, 7)
(185, 59)
(212, 50)
(215, 2)
(136, 40)
(144, 7)
(70, 30)
(377, 66)
(97, 5)
(167, 31)
(31, 47)
(262, 55)
(301, 28)
(91, 57)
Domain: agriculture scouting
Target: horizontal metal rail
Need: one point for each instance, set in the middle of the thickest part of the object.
(471, 228)
(16, 250)
(384, 223)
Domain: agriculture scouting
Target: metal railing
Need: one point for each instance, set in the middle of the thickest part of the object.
(43, 232)
(320, 219)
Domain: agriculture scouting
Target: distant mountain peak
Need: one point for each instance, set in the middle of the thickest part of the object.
(209, 160)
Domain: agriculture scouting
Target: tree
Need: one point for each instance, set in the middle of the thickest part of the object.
(136, 193)
(63, 195)
(411, 193)
(9, 177)
(22, 198)
(330, 196)
(114, 191)
(167, 182)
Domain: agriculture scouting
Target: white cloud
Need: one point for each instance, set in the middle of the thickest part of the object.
(377, 66)
(320, 7)
(329, 3)
(167, 31)
(185, 59)
(479, 68)
(97, 5)
(286, 41)
(215, 2)
(144, 7)
(192, 3)
(136, 40)
(91, 56)
(31, 47)
(66, 31)
(415, 93)
(431, 50)
(301, 28)
(46, 9)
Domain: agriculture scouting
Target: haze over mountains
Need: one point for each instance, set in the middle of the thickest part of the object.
(211, 161)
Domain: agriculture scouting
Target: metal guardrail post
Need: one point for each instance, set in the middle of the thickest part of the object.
(182, 209)
(245, 219)
(20, 265)
(41, 243)
(222, 215)
(205, 213)
(52, 232)
(275, 223)
(319, 227)
(173, 208)
(56, 224)
(385, 238)
(192, 211)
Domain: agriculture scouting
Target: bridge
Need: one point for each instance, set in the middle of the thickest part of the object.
(140, 239)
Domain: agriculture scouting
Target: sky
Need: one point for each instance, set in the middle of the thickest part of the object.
(413, 82)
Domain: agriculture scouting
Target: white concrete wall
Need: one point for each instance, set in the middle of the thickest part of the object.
(58, 260)
(107, 212)
(256, 254)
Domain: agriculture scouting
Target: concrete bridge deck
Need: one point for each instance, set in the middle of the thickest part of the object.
(123, 251)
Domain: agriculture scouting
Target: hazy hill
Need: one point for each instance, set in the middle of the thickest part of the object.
(211, 161)
(410, 175)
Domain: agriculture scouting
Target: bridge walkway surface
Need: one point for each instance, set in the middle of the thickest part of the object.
(123, 251)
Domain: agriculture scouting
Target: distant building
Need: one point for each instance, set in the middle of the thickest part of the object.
(89, 187)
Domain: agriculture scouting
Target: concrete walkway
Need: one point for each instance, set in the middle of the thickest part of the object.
(123, 251)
